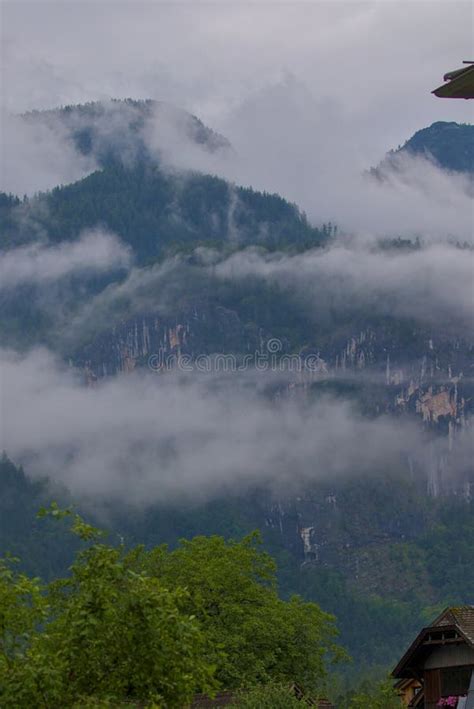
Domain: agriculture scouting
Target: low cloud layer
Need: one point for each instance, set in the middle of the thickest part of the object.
(310, 95)
(433, 284)
(36, 264)
(157, 289)
(145, 438)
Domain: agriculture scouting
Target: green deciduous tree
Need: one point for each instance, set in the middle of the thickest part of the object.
(154, 627)
(269, 696)
(23, 607)
(107, 632)
(259, 637)
(380, 696)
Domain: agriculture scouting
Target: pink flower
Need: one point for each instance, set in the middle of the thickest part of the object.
(448, 701)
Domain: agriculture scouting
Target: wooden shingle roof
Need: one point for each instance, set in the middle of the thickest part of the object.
(455, 624)
(460, 616)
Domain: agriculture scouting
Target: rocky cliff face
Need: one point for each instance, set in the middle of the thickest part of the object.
(340, 525)
(372, 365)
(157, 342)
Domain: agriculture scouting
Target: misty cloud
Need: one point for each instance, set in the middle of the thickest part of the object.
(43, 149)
(287, 140)
(345, 49)
(434, 283)
(310, 97)
(146, 438)
(274, 79)
(39, 263)
(156, 289)
(38, 155)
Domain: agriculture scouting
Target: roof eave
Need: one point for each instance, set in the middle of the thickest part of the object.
(460, 84)
(402, 670)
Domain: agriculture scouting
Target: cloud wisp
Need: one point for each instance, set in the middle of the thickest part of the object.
(44, 149)
(38, 155)
(288, 140)
(146, 438)
(95, 251)
(433, 284)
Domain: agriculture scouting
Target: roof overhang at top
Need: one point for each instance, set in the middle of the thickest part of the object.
(460, 83)
(423, 645)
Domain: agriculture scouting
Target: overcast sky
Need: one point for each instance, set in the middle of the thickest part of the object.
(375, 62)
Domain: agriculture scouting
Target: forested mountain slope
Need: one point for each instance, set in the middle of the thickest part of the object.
(157, 212)
(385, 556)
(138, 261)
(448, 145)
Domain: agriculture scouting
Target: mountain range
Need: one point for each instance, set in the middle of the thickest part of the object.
(141, 265)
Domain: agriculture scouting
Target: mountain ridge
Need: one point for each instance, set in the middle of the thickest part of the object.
(447, 144)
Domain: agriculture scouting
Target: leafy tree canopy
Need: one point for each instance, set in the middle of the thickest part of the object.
(154, 626)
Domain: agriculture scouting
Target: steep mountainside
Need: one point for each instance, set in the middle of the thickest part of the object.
(419, 367)
(378, 550)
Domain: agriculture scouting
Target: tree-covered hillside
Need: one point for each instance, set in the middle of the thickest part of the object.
(155, 627)
(449, 145)
(157, 213)
(196, 267)
(407, 555)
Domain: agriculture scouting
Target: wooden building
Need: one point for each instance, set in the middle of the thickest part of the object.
(439, 664)
(409, 689)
